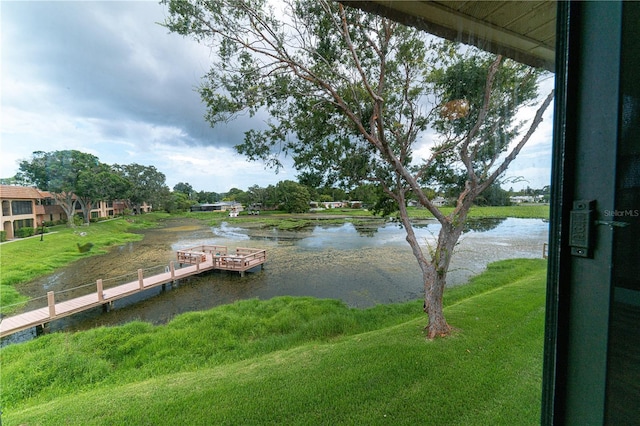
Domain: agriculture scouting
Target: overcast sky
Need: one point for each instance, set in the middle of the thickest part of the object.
(106, 79)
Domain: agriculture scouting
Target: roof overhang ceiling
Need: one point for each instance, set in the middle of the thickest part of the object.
(522, 30)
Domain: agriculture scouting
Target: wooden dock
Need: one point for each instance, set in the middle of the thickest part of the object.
(197, 260)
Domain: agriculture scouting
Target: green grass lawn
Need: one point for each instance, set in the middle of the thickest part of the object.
(29, 258)
(535, 211)
(297, 361)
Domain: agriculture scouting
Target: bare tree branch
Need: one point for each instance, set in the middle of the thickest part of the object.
(354, 54)
(516, 150)
(464, 155)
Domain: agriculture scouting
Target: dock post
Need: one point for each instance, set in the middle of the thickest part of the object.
(51, 301)
(100, 290)
(141, 279)
(42, 329)
(172, 268)
(107, 307)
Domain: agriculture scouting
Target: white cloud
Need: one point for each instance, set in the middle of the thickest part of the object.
(105, 78)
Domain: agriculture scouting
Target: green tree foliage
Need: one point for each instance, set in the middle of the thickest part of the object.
(257, 196)
(494, 196)
(146, 184)
(336, 194)
(99, 183)
(366, 193)
(205, 197)
(237, 195)
(185, 188)
(63, 173)
(312, 181)
(272, 197)
(177, 202)
(351, 96)
(292, 197)
(74, 176)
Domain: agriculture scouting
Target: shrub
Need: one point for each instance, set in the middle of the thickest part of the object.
(3, 236)
(24, 232)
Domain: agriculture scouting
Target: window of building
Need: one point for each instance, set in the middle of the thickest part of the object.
(21, 207)
(23, 223)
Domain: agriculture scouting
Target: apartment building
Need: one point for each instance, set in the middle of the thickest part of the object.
(24, 207)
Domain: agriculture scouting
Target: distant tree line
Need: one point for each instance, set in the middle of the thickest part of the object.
(73, 176)
(76, 177)
(287, 195)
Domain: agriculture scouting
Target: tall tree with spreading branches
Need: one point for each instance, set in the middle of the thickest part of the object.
(144, 184)
(353, 96)
(63, 173)
(96, 183)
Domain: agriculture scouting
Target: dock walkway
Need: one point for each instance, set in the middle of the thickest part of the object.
(198, 260)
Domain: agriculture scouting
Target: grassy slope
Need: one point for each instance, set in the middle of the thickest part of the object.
(24, 260)
(315, 363)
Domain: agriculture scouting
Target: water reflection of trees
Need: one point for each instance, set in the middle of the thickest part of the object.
(366, 230)
(483, 224)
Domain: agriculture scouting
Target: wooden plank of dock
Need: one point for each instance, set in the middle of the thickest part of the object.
(215, 257)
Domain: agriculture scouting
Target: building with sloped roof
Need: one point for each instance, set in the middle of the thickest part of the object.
(22, 207)
(28, 207)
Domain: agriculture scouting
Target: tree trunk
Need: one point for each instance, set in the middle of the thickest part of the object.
(66, 201)
(86, 210)
(434, 270)
(433, 291)
(435, 279)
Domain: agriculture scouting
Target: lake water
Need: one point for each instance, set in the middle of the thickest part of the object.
(361, 265)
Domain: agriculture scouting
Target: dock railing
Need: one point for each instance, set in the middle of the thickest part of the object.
(41, 310)
(198, 254)
(251, 257)
(244, 258)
